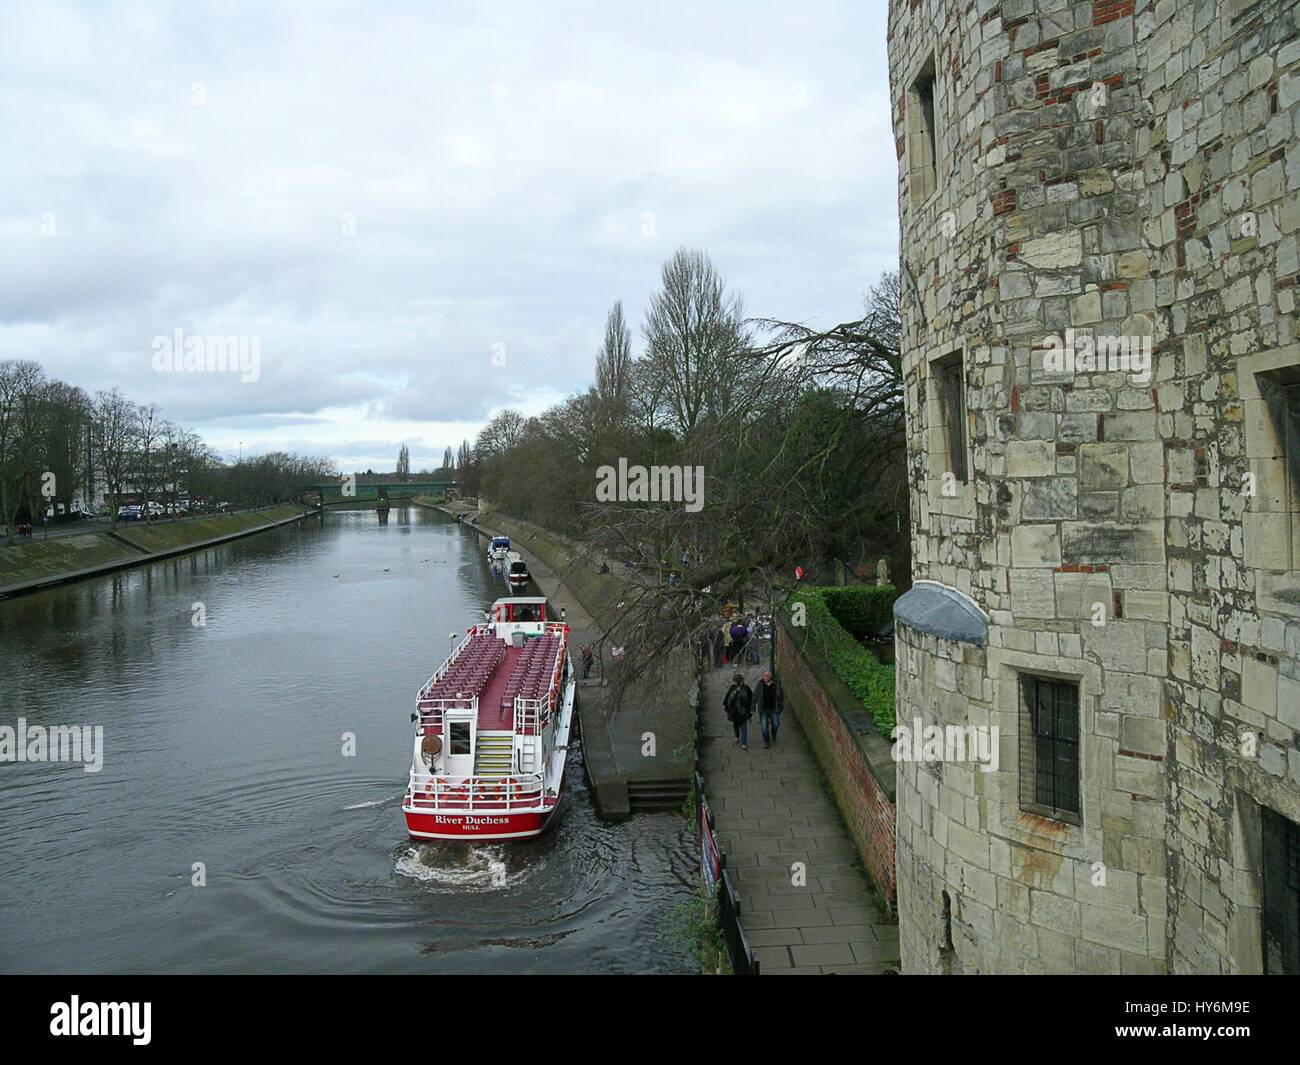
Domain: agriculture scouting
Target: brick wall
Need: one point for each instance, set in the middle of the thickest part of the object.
(865, 802)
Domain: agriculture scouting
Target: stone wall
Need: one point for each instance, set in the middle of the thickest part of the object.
(854, 758)
(1113, 177)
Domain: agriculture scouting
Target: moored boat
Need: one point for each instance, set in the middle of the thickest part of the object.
(492, 729)
(498, 548)
(517, 572)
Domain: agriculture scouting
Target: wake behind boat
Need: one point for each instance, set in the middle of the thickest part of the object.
(492, 729)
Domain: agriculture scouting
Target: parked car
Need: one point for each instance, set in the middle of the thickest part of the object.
(132, 513)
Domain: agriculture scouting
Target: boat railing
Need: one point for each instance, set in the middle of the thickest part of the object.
(432, 793)
(432, 710)
(441, 671)
(532, 716)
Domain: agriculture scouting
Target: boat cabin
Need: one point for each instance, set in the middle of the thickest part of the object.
(520, 608)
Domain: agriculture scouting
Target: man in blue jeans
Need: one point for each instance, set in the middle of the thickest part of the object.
(738, 704)
(768, 697)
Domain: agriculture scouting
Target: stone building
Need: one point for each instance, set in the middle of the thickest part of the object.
(1099, 207)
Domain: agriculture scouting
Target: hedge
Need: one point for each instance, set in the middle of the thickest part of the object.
(864, 675)
(862, 609)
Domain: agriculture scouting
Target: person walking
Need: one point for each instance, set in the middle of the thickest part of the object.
(587, 658)
(719, 649)
(768, 696)
(738, 705)
(739, 636)
(727, 645)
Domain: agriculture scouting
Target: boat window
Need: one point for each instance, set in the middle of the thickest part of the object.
(461, 737)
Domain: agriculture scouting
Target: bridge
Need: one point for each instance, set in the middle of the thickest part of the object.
(331, 492)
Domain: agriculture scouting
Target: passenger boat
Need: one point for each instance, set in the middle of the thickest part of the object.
(492, 729)
(498, 548)
(516, 572)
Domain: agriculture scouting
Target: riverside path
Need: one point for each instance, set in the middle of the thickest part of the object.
(771, 812)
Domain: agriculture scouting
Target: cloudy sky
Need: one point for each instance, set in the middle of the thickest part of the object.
(387, 195)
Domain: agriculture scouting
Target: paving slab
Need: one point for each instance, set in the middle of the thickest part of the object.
(772, 812)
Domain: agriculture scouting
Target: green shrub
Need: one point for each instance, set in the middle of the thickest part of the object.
(693, 926)
(862, 673)
(862, 609)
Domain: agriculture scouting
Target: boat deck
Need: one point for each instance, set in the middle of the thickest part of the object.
(495, 672)
(491, 718)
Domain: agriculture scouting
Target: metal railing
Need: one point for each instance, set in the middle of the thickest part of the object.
(532, 716)
(433, 794)
(743, 962)
(726, 897)
(432, 710)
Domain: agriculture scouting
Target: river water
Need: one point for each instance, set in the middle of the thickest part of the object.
(224, 762)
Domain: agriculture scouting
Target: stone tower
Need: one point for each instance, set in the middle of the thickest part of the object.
(1099, 217)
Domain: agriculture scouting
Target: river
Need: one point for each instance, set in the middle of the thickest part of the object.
(230, 829)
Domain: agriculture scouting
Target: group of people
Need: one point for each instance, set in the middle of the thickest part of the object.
(23, 530)
(732, 644)
(741, 702)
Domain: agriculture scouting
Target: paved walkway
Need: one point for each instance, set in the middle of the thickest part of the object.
(771, 811)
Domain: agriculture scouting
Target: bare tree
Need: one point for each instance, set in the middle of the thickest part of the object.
(614, 362)
(502, 433)
(114, 424)
(810, 468)
(148, 436)
(20, 381)
(61, 444)
(695, 332)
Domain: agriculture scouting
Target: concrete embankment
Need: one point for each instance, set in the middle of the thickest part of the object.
(638, 752)
(35, 564)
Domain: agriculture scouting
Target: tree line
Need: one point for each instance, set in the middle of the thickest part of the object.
(59, 443)
(798, 433)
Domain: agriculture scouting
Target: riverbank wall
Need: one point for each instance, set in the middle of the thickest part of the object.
(35, 564)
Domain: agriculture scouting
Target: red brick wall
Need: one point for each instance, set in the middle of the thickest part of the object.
(867, 809)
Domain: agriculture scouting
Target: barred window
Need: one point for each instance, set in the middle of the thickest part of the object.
(1049, 748)
(1281, 917)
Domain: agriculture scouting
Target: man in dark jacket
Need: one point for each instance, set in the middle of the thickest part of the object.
(768, 697)
(738, 704)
